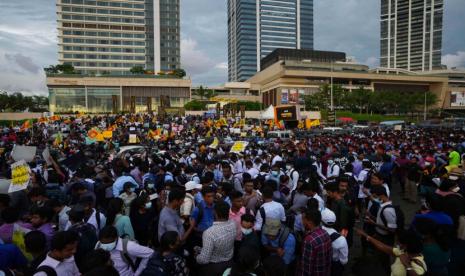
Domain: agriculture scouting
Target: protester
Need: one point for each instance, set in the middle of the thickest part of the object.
(207, 208)
(124, 253)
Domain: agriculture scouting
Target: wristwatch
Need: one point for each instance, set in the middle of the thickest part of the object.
(409, 269)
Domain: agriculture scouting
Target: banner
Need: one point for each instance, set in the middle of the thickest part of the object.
(23, 153)
(215, 144)
(239, 147)
(20, 176)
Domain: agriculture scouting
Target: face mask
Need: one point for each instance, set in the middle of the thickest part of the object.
(456, 189)
(151, 186)
(108, 246)
(377, 200)
(274, 173)
(148, 205)
(246, 231)
(132, 189)
(288, 167)
(427, 164)
(330, 162)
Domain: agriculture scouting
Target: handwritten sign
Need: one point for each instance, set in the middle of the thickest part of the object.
(20, 176)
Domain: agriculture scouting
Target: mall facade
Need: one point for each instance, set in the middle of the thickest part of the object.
(292, 76)
(108, 94)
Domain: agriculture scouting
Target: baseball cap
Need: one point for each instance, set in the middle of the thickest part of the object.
(328, 217)
(272, 227)
(191, 185)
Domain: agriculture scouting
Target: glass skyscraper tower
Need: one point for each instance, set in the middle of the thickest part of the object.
(257, 27)
(111, 36)
(411, 34)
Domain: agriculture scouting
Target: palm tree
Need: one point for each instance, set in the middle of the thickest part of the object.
(201, 92)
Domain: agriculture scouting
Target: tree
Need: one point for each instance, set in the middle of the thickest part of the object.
(201, 92)
(210, 93)
(60, 69)
(180, 73)
(137, 70)
(17, 102)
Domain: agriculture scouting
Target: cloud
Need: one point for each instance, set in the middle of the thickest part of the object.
(28, 28)
(23, 62)
(372, 62)
(454, 60)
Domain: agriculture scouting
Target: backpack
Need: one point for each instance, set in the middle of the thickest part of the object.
(48, 270)
(334, 236)
(127, 259)
(283, 238)
(291, 174)
(400, 217)
(155, 266)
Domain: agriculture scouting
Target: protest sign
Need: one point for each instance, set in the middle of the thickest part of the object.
(239, 146)
(4, 185)
(20, 176)
(215, 143)
(23, 153)
(132, 139)
(46, 156)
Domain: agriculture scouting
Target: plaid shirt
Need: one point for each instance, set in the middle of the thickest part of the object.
(218, 243)
(316, 254)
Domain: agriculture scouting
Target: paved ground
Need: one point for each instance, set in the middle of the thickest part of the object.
(409, 210)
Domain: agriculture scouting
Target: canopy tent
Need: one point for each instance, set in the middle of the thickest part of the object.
(268, 114)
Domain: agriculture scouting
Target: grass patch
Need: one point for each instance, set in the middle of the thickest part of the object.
(368, 117)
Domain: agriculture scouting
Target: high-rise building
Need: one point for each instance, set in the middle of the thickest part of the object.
(112, 36)
(257, 27)
(411, 34)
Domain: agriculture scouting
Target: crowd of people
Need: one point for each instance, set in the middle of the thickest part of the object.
(185, 204)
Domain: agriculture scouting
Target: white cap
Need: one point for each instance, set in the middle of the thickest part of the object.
(191, 185)
(328, 216)
(193, 156)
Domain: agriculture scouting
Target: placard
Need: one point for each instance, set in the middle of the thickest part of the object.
(46, 156)
(132, 139)
(25, 153)
(215, 144)
(239, 146)
(20, 176)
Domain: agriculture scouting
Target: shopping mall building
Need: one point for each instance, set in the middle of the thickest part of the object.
(107, 94)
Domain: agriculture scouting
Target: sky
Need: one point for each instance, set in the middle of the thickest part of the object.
(28, 38)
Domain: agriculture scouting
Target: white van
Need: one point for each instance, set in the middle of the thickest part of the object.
(279, 134)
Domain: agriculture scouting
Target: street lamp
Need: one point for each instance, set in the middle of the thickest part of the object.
(332, 98)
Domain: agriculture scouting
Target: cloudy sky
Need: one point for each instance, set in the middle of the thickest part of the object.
(28, 37)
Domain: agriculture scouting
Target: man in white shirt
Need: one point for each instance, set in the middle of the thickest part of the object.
(293, 175)
(91, 214)
(251, 169)
(277, 158)
(124, 252)
(270, 209)
(61, 256)
(332, 171)
(338, 242)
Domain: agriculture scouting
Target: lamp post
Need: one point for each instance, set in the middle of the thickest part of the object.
(424, 112)
(332, 98)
